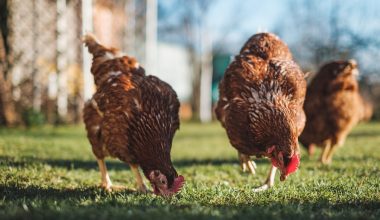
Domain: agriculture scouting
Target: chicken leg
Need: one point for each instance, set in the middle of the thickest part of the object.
(334, 146)
(332, 150)
(139, 181)
(325, 151)
(311, 150)
(247, 164)
(106, 181)
(269, 182)
(328, 158)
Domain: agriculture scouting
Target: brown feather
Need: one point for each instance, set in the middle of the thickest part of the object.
(140, 112)
(332, 105)
(261, 98)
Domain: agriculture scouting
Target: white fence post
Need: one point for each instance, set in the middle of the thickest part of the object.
(62, 102)
(205, 113)
(87, 26)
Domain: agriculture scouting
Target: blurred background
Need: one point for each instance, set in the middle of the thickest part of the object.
(45, 71)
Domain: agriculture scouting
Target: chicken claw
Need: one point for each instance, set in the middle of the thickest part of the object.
(247, 164)
(139, 181)
(269, 183)
(264, 187)
(142, 189)
(106, 181)
(106, 186)
(115, 188)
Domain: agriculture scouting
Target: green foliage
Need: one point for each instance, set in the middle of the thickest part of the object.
(51, 173)
(32, 117)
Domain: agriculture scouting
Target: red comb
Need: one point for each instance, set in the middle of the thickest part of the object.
(178, 184)
(293, 165)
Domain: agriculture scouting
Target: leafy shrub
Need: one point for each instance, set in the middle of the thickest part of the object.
(31, 118)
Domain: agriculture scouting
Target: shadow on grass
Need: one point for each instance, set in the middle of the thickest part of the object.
(212, 162)
(33, 192)
(200, 135)
(343, 158)
(363, 134)
(111, 165)
(69, 204)
(62, 163)
(118, 165)
(45, 133)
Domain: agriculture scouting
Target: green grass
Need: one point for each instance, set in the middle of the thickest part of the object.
(51, 173)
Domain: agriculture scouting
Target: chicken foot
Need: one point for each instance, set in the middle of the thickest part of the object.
(334, 146)
(139, 181)
(325, 152)
(311, 150)
(332, 150)
(328, 159)
(269, 182)
(106, 181)
(247, 164)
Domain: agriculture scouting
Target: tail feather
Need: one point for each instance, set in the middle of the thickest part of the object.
(94, 47)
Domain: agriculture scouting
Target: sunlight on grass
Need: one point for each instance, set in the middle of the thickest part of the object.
(50, 172)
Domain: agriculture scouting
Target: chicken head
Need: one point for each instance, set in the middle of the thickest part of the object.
(162, 185)
(286, 164)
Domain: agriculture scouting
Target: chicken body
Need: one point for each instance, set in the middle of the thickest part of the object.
(333, 106)
(132, 117)
(260, 104)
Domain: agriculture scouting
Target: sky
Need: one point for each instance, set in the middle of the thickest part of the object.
(231, 22)
(251, 16)
(234, 20)
(243, 19)
(255, 15)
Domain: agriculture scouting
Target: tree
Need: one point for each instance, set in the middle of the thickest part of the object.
(322, 31)
(8, 115)
(184, 22)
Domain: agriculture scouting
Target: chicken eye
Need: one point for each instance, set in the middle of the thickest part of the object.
(163, 182)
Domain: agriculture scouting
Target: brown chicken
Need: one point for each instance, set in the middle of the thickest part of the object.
(260, 105)
(132, 117)
(332, 107)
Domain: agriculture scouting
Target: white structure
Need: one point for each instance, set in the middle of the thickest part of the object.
(205, 110)
(88, 88)
(170, 62)
(174, 68)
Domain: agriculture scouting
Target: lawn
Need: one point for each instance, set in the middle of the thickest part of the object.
(51, 173)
